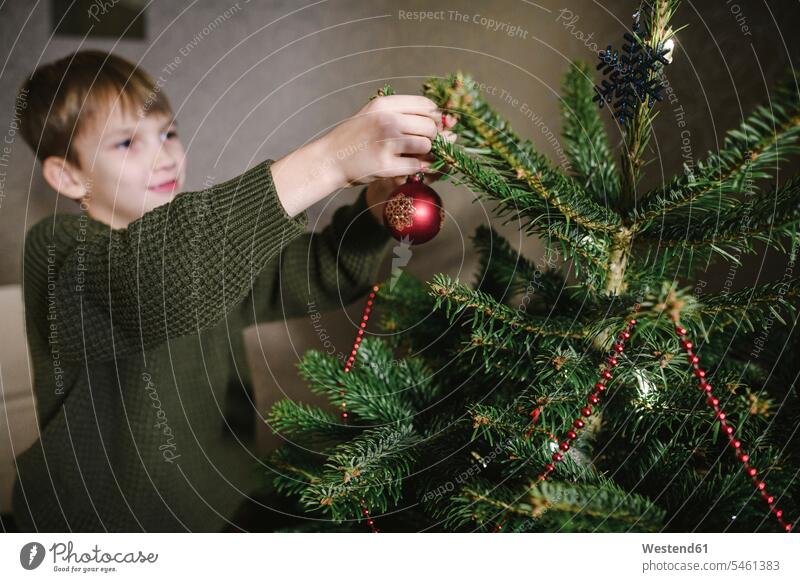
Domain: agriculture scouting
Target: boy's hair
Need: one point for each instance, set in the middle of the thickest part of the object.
(62, 96)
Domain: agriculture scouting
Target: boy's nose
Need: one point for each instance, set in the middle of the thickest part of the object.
(164, 160)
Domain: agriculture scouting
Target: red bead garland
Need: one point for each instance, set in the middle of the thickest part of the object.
(357, 344)
(349, 366)
(370, 521)
(727, 428)
(593, 399)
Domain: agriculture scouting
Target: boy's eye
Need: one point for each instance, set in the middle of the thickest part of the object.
(125, 144)
(171, 134)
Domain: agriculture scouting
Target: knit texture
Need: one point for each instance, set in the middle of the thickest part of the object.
(143, 397)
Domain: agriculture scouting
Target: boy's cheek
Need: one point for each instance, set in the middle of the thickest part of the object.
(182, 174)
(180, 156)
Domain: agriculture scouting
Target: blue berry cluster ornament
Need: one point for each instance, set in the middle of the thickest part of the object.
(632, 74)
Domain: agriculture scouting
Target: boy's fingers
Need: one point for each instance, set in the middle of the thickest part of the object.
(412, 145)
(414, 104)
(420, 146)
(402, 166)
(415, 165)
(418, 125)
(434, 115)
(422, 106)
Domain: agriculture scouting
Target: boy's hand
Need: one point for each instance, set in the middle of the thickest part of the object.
(379, 190)
(390, 137)
(387, 138)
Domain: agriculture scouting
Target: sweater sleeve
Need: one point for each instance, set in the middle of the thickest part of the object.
(321, 270)
(177, 270)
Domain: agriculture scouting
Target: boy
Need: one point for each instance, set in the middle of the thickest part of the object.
(135, 308)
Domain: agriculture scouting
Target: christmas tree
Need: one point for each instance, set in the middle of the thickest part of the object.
(472, 415)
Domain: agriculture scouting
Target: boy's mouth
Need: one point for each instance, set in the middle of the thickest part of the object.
(168, 186)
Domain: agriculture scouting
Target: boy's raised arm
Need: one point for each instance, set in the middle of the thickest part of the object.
(179, 268)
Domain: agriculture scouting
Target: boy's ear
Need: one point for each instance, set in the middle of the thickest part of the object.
(63, 177)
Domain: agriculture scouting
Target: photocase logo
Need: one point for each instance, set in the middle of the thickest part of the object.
(31, 555)
(402, 254)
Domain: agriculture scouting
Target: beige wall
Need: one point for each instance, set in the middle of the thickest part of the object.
(274, 74)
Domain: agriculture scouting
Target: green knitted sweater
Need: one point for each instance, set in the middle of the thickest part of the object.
(139, 365)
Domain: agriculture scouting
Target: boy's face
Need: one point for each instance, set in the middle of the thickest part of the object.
(129, 164)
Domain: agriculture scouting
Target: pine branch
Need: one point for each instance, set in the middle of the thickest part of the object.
(748, 306)
(291, 471)
(586, 140)
(457, 298)
(769, 219)
(559, 390)
(302, 420)
(494, 424)
(406, 305)
(375, 386)
(580, 506)
(749, 153)
(654, 402)
(483, 128)
(565, 507)
(504, 272)
(371, 466)
(538, 218)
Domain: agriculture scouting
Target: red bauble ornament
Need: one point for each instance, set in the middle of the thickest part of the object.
(414, 211)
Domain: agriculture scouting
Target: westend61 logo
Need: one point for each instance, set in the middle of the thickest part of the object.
(66, 559)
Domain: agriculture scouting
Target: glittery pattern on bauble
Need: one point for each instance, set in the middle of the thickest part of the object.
(400, 212)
